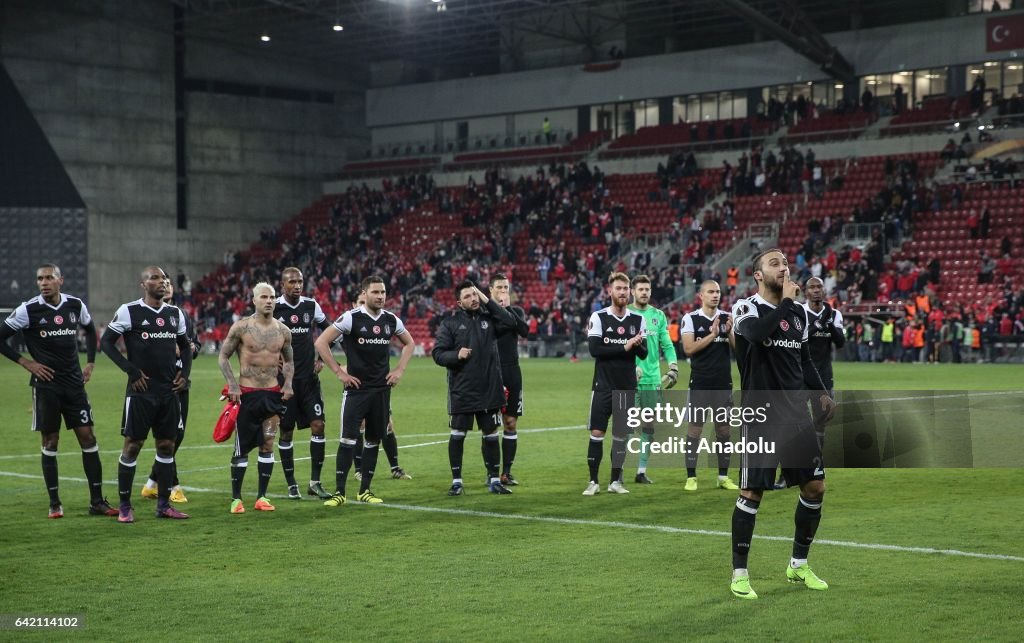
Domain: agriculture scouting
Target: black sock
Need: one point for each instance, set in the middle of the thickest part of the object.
(691, 456)
(723, 457)
(595, 451)
(125, 479)
(509, 442)
(807, 517)
(743, 517)
(491, 451)
(358, 453)
(346, 454)
(50, 476)
(370, 453)
(265, 466)
(177, 443)
(391, 449)
(93, 473)
(287, 461)
(618, 457)
(456, 445)
(317, 452)
(238, 467)
(164, 476)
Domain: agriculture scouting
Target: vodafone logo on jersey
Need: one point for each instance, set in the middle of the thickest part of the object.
(380, 341)
(58, 320)
(57, 333)
(163, 335)
(781, 343)
(609, 340)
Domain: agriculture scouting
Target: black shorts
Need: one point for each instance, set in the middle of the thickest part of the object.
(601, 406)
(757, 472)
(49, 405)
(257, 407)
(305, 405)
(512, 376)
(710, 398)
(372, 406)
(160, 412)
(486, 421)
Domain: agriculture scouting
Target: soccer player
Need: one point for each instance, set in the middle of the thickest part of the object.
(707, 339)
(177, 493)
(367, 332)
(617, 338)
(826, 331)
(390, 442)
(155, 337)
(49, 324)
(775, 332)
(465, 345)
(649, 369)
(264, 347)
(511, 374)
(305, 409)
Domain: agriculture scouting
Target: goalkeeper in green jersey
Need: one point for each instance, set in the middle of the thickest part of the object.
(648, 370)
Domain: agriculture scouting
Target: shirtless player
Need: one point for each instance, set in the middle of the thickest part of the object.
(262, 344)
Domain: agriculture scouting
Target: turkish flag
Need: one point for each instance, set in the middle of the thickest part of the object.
(1004, 32)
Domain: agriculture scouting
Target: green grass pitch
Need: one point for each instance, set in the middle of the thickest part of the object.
(909, 554)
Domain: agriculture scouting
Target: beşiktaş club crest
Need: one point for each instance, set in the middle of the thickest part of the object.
(74, 320)
(174, 322)
(305, 318)
(632, 330)
(387, 329)
(784, 325)
(799, 326)
(483, 324)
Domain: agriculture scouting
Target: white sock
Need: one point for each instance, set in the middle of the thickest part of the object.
(796, 562)
(641, 470)
(150, 483)
(740, 573)
(456, 480)
(721, 478)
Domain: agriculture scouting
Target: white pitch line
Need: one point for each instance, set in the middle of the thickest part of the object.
(665, 529)
(229, 444)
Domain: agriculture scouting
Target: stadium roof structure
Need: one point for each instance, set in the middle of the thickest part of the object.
(454, 38)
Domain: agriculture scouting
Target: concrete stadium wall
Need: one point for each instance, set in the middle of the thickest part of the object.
(952, 41)
(99, 78)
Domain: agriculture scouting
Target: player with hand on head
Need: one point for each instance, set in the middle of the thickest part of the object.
(264, 347)
(366, 334)
(650, 381)
(177, 493)
(465, 345)
(617, 338)
(49, 323)
(511, 374)
(707, 339)
(771, 340)
(155, 338)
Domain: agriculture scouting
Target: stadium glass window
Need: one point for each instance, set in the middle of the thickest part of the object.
(646, 113)
(1013, 79)
(679, 109)
(982, 6)
(692, 109)
(930, 82)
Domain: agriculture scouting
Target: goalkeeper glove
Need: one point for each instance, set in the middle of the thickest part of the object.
(669, 379)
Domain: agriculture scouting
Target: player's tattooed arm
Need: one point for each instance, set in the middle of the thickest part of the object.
(227, 349)
(288, 367)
